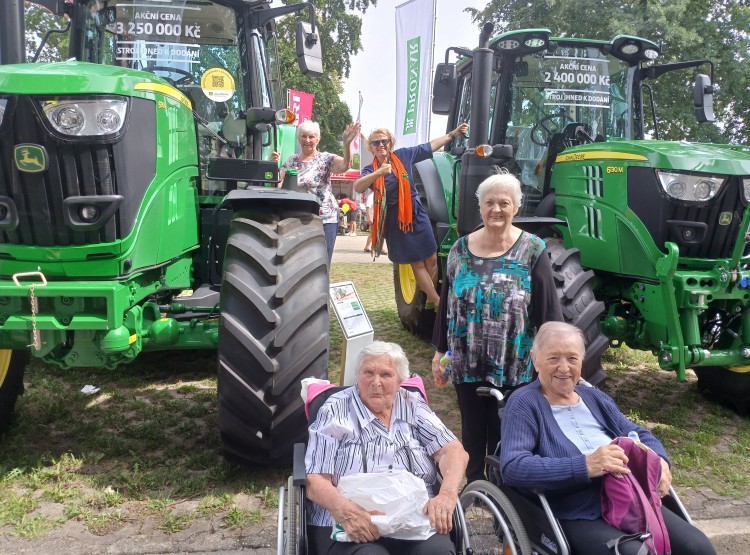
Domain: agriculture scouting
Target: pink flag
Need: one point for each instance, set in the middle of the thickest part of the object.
(301, 103)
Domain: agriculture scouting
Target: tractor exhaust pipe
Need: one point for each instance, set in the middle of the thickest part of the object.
(12, 32)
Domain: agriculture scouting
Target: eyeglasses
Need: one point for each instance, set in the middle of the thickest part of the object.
(376, 143)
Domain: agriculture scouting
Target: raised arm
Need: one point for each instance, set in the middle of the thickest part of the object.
(440, 142)
(340, 165)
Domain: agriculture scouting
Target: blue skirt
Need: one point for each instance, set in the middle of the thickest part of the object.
(410, 246)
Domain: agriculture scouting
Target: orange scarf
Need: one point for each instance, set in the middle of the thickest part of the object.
(404, 196)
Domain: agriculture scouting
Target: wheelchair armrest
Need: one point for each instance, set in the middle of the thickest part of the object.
(493, 461)
(299, 476)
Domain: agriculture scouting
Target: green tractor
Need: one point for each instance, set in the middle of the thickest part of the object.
(648, 238)
(139, 211)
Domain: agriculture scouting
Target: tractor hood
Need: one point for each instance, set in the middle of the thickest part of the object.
(74, 78)
(682, 155)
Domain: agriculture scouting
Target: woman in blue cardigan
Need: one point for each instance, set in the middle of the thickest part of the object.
(556, 438)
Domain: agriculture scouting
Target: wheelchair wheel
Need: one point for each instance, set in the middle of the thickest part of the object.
(291, 540)
(493, 526)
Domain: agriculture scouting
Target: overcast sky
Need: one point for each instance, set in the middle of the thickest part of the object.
(374, 68)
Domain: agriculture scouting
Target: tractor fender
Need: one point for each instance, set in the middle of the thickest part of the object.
(543, 222)
(271, 197)
(546, 207)
(432, 188)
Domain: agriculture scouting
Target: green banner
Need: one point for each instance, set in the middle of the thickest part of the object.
(414, 63)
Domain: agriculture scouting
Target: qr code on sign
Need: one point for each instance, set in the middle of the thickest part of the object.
(217, 81)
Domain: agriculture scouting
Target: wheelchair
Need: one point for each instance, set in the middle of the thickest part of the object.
(292, 538)
(501, 520)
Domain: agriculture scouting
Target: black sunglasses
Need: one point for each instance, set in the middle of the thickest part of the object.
(378, 142)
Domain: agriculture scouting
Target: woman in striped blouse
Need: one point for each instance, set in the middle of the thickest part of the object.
(376, 426)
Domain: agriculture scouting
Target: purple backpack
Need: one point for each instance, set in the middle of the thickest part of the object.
(632, 503)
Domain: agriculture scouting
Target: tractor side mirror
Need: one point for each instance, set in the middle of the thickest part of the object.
(309, 50)
(57, 7)
(703, 98)
(444, 89)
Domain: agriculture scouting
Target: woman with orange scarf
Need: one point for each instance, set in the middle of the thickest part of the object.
(399, 216)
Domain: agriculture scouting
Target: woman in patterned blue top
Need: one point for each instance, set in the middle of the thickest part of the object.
(497, 290)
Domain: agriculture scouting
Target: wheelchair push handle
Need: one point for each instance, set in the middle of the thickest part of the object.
(492, 392)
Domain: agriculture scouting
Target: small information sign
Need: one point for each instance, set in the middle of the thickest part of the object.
(349, 309)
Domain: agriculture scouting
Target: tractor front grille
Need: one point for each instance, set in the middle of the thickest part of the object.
(721, 216)
(125, 168)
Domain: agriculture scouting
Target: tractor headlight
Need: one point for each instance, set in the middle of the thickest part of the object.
(101, 117)
(693, 188)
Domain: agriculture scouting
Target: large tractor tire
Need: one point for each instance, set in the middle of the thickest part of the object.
(728, 386)
(12, 366)
(273, 332)
(579, 306)
(410, 302)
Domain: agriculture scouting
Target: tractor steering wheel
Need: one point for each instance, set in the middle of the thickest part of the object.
(542, 132)
(185, 80)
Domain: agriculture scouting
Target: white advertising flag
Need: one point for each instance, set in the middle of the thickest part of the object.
(415, 22)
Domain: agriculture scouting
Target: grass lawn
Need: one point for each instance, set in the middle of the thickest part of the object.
(147, 444)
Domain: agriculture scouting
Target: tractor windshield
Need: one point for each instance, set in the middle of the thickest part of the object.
(549, 90)
(199, 47)
(193, 44)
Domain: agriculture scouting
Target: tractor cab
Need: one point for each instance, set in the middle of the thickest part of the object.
(219, 55)
(648, 238)
(546, 95)
(195, 48)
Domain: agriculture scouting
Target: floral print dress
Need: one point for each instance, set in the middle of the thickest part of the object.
(314, 176)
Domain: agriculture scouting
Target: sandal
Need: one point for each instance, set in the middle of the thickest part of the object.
(367, 250)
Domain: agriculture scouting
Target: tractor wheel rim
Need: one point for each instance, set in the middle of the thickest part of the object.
(5, 355)
(407, 282)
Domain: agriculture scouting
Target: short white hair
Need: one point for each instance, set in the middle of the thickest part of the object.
(554, 328)
(505, 181)
(394, 353)
(308, 126)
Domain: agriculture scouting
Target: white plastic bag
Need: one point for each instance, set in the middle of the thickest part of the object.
(400, 495)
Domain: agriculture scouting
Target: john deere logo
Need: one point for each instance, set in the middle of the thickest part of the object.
(30, 158)
(725, 218)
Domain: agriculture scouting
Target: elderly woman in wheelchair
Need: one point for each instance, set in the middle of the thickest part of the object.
(556, 437)
(374, 427)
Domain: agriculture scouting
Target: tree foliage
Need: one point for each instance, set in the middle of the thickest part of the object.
(340, 29)
(685, 29)
(38, 22)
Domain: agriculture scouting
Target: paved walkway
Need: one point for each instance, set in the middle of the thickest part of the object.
(351, 249)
